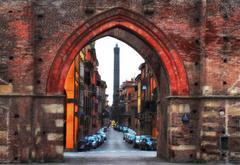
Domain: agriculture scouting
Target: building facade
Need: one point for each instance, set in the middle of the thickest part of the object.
(147, 99)
(85, 101)
(138, 99)
(128, 103)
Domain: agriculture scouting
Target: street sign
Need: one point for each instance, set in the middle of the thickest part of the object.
(185, 118)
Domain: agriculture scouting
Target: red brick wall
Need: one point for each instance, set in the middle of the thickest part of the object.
(201, 35)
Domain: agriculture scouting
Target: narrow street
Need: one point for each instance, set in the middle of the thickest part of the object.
(115, 152)
(114, 149)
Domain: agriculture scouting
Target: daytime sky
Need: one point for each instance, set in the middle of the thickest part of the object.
(129, 62)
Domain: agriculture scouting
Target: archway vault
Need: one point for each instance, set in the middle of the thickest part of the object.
(132, 22)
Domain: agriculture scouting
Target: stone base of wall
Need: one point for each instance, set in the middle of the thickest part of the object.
(199, 139)
(177, 140)
(220, 118)
(31, 129)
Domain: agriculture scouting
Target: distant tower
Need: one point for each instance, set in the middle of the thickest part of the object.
(116, 73)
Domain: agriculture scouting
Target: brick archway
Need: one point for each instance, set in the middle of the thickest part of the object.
(132, 22)
(196, 43)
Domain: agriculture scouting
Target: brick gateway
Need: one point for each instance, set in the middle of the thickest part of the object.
(192, 47)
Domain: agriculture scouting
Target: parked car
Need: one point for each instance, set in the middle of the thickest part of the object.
(102, 134)
(83, 144)
(120, 128)
(131, 131)
(103, 129)
(116, 127)
(136, 142)
(147, 143)
(125, 136)
(130, 138)
(125, 129)
(100, 139)
(93, 141)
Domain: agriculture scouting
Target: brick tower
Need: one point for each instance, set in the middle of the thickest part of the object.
(116, 73)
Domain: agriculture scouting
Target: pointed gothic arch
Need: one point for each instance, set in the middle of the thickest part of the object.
(130, 21)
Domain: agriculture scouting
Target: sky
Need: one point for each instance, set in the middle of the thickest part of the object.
(129, 62)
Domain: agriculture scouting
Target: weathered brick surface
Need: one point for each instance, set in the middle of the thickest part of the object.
(4, 129)
(183, 137)
(20, 131)
(17, 46)
(234, 129)
(220, 58)
(199, 38)
(48, 136)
